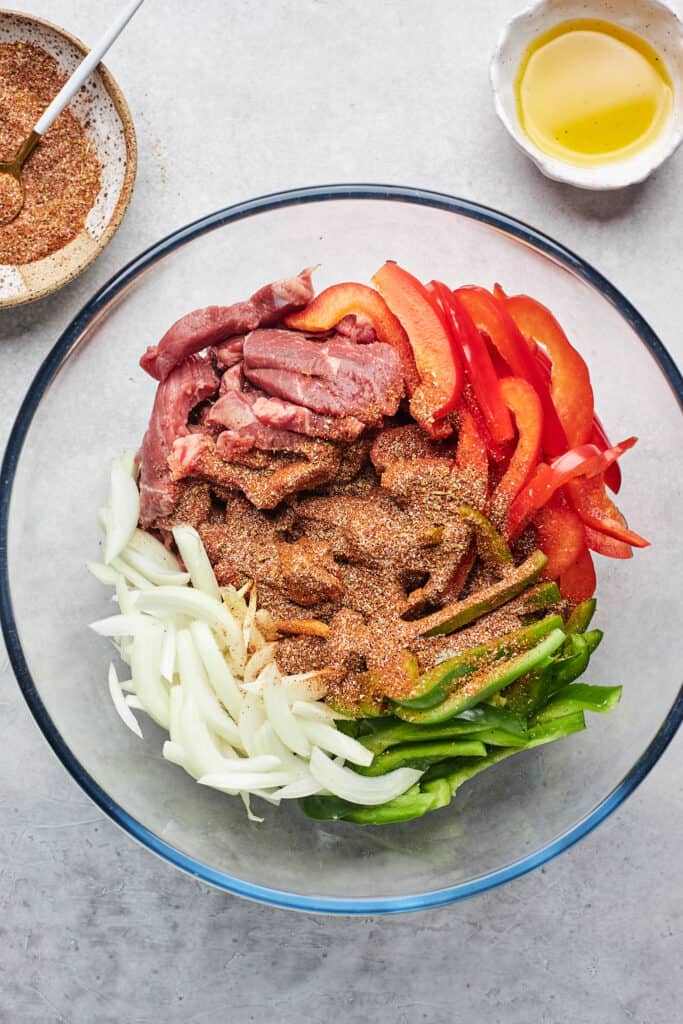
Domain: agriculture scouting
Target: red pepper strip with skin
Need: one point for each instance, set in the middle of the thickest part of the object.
(561, 536)
(597, 510)
(601, 544)
(338, 301)
(584, 461)
(597, 437)
(577, 584)
(438, 363)
(478, 366)
(570, 385)
(526, 408)
(471, 453)
(491, 317)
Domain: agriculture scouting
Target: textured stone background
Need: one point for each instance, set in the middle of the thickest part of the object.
(93, 929)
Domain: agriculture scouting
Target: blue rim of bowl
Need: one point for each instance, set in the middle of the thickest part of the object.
(42, 380)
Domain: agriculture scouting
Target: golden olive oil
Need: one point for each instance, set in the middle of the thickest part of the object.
(589, 92)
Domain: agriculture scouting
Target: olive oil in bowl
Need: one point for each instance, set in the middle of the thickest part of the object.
(589, 92)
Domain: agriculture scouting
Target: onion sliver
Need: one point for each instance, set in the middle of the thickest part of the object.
(146, 544)
(174, 753)
(129, 573)
(306, 786)
(316, 711)
(231, 782)
(168, 652)
(119, 701)
(121, 625)
(186, 601)
(360, 789)
(145, 663)
(104, 573)
(280, 716)
(193, 676)
(258, 662)
(334, 742)
(196, 560)
(308, 686)
(124, 503)
(154, 573)
(202, 754)
(252, 717)
(218, 670)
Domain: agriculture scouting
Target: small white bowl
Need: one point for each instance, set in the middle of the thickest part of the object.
(653, 21)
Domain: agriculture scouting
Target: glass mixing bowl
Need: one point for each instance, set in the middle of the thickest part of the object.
(90, 400)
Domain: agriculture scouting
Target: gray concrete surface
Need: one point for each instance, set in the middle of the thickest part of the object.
(93, 929)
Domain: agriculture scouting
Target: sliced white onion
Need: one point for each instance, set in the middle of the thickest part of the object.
(306, 686)
(258, 662)
(130, 574)
(119, 701)
(330, 739)
(121, 625)
(193, 676)
(260, 763)
(280, 716)
(168, 652)
(218, 670)
(152, 572)
(247, 806)
(316, 711)
(305, 786)
(127, 460)
(104, 573)
(193, 554)
(360, 789)
(267, 742)
(202, 754)
(124, 503)
(134, 702)
(250, 617)
(232, 782)
(147, 544)
(174, 753)
(234, 601)
(186, 601)
(145, 663)
(124, 597)
(252, 717)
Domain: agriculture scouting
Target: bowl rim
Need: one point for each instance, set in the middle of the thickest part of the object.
(94, 309)
(122, 109)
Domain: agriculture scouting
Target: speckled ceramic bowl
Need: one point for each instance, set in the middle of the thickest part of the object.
(652, 20)
(103, 111)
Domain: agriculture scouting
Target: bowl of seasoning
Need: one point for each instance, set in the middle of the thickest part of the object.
(593, 93)
(79, 180)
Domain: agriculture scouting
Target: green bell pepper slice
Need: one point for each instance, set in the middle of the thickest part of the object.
(433, 686)
(478, 687)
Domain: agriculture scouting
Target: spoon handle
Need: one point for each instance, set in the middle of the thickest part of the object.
(70, 87)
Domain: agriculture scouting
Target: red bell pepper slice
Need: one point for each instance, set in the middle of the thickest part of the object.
(570, 386)
(561, 536)
(597, 510)
(599, 438)
(604, 545)
(526, 408)
(338, 301)
(491, 317)
(577, 583)
(584, 461)
(478, 366)
(438, 365)
(471, 453)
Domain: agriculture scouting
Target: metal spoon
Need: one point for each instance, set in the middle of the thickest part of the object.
(11, 185)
